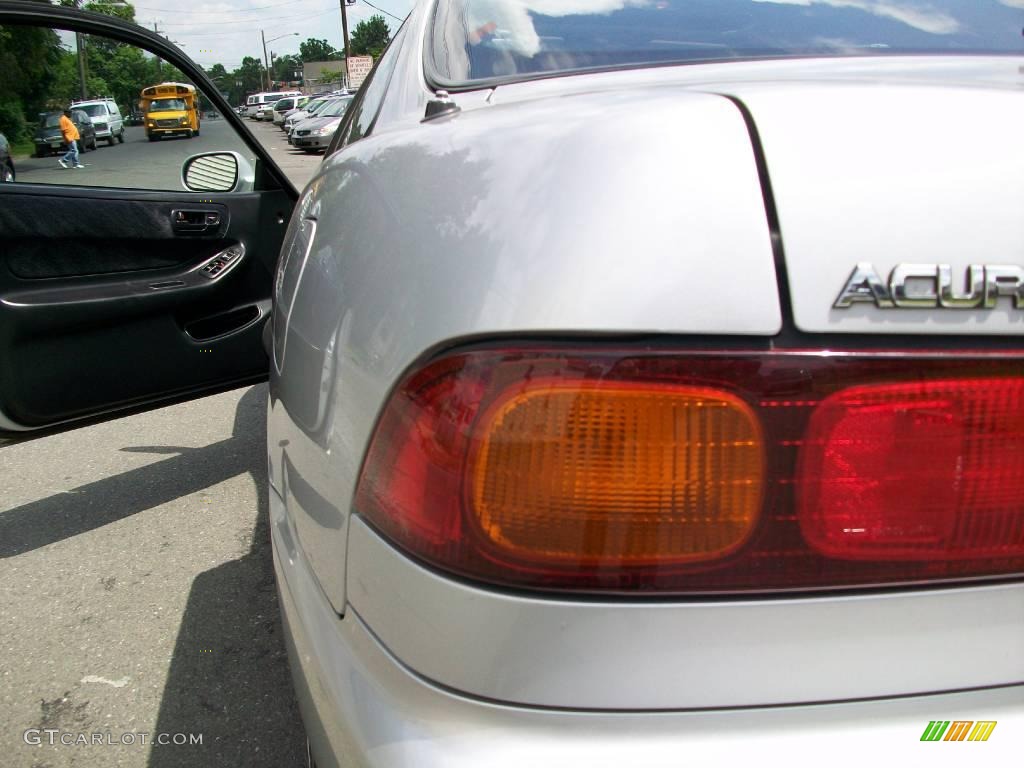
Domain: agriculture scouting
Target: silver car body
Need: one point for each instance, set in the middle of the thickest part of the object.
(278, 115)
(424, 236)
(306, 133)
(303, 114)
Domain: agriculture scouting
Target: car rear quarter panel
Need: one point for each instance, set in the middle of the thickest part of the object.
(608, 214)
(617, 212)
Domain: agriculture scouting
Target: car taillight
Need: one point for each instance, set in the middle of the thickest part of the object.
(918, 471)
(636, 473)
(615, 471)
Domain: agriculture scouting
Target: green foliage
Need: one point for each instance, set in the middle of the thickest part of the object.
(370, 37)
(244, 80)
(28, 61)
(121, 71)
(330, 76)
(112, 68)
(66, 85)
(40, 74)
(217, 73)
(12, 121)
(126, 11)
(318, 50)
(285, 67)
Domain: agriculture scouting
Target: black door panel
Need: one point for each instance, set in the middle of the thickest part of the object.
(105, 304)
(77, 233)
(58, 376)
(115, 299)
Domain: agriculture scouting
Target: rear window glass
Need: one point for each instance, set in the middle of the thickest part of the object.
(476, 40)
(52, 121)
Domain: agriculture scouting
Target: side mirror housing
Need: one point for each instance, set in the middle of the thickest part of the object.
(217, 172)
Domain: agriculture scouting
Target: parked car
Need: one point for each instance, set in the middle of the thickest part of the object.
(259, 104)
(285, 105)
(646, 380)
(49, 139)
(6, 161)
(105, 117)
(311, 108)
(315, 133)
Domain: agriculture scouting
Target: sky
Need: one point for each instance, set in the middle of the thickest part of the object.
(224, 31)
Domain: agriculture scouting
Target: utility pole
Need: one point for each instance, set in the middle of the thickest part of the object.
(159, 72)
(266, 62)
(344, 37)
(80, 45)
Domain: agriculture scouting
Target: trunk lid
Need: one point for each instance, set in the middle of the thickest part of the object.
(901, 205)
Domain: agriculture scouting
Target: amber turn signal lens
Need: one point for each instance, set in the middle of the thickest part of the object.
(614, 472)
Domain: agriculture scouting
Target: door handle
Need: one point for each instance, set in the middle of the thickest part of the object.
(191, 220)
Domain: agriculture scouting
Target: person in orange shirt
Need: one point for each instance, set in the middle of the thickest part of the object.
(70, 132)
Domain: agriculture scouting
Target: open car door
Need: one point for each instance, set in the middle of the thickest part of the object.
(143, 277)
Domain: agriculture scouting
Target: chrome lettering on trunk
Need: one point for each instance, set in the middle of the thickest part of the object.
(934, 287)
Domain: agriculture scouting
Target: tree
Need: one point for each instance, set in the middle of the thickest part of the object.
(329, 76)
(217, 72)
(112, 68)
(370, 37)
(39, 74)
(125, 11)
(29, 59)
(285, 67)
(247, 79)
(318, 50)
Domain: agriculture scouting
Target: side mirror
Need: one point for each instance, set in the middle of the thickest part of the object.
(217, 172)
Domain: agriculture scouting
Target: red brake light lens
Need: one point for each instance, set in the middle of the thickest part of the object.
(918, 471)
(598, 470)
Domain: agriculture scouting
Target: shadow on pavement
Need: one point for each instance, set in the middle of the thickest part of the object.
(228, 677)
(87, 507)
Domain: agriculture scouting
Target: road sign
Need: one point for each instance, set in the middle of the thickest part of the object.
(358, 68)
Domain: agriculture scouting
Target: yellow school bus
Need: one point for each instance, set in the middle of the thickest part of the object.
(170, 109)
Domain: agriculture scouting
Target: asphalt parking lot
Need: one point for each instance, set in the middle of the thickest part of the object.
(298, 166)
(138, 590)
(141, 164)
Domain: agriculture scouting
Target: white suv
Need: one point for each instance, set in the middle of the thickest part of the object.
(106, 118)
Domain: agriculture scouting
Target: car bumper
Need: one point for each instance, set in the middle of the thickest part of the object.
(362, 708)
(310, 142)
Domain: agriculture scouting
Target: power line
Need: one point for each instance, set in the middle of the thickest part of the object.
(233, 10)
(383, 11)
(254, 20)
(185, 33)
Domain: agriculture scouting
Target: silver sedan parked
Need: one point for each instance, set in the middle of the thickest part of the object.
(315, 133)
(311, 108)
(647, 389)
(646, 377)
